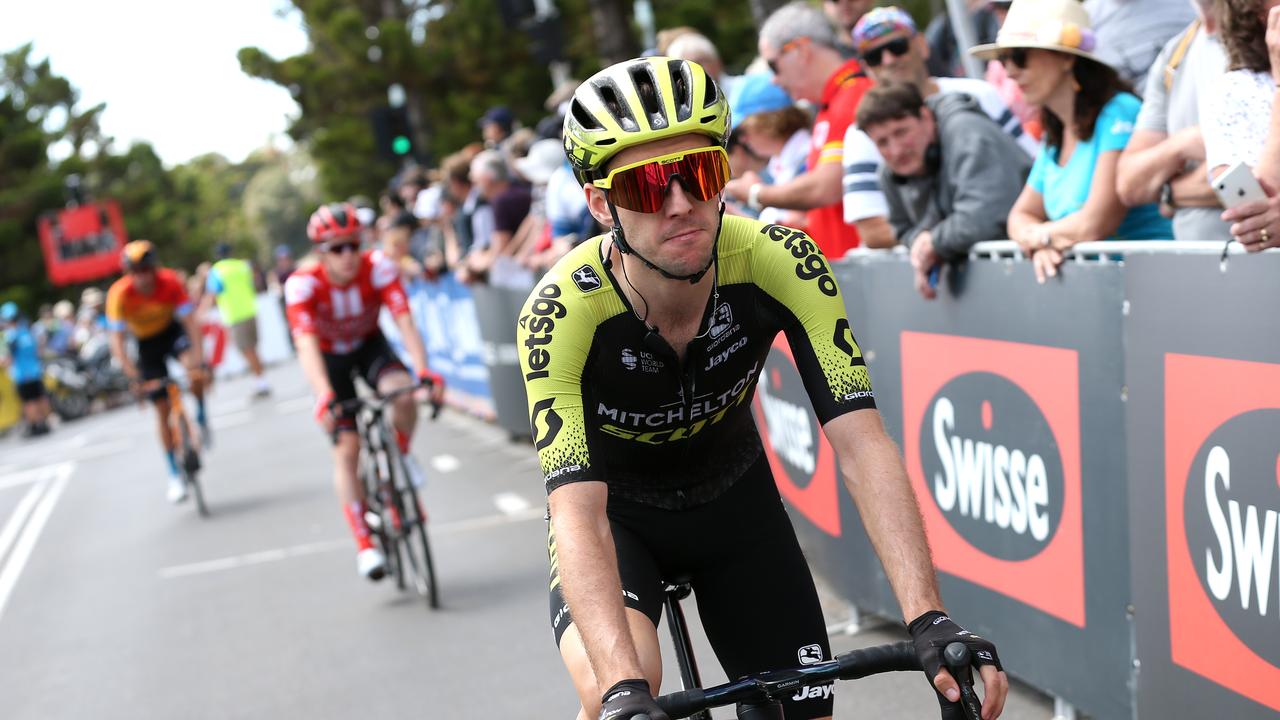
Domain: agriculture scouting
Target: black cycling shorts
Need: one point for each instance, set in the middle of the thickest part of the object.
(369, 362)
(31, 390)
(171, 342)
(739, 552)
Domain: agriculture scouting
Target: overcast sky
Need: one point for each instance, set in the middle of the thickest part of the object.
(167, 69)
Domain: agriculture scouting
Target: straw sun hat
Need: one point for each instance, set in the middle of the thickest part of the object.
(1061, 25)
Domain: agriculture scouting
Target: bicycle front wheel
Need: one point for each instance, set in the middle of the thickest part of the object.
(417, 548)
(191, 467)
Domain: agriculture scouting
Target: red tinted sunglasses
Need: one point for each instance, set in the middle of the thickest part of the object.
(642, 186)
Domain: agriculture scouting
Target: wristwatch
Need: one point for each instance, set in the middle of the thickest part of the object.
(1046, 240)
(753, 196)
(1166, 194)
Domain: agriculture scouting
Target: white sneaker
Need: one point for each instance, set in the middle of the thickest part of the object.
(371, 563)
(416, 476)
(177, 491)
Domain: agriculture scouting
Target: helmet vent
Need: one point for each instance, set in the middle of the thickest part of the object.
(681, 88)
(583, 117)
(614, 103)
(646, 86)
(710, 94)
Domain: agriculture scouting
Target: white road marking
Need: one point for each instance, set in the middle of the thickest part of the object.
(510, 503)
(298, 404)
(445, 463)
(277, 554)
(255, 558)
(17, 560)
(222, 422)
(29, 475)
(20, 515)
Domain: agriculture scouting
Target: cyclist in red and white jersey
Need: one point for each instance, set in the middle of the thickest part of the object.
(333, 309)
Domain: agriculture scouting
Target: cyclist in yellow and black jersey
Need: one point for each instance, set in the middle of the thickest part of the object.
(611, 401)
(640, 352)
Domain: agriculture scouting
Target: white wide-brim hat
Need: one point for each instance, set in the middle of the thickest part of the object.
(1060, 25)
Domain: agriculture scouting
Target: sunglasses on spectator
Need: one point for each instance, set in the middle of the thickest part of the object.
(899, 47)
(642, 186)
(341, 248)
(1017, 56)
(773, 64)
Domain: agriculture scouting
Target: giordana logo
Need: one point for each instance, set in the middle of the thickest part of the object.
(1222, 521)
(722, 320)
(992, 465)
(1232, 498)
(586, 278)
(802, 460)
(992, 445)
(810, 654)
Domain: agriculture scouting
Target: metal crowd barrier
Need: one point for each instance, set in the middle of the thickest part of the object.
(1096, 461)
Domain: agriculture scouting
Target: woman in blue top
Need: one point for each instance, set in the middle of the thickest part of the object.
(1088, 115)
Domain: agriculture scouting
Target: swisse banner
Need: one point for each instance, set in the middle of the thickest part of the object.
(1007, 399)
(992, 445)
(1222, 468)
(802, 460)
(1204, 463)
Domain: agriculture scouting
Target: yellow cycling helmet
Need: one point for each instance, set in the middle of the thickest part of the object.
(639, 101)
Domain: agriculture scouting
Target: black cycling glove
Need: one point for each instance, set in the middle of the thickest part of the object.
(629, 698)
(931, 633)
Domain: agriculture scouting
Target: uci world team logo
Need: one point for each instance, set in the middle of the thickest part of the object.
(802, 460)
(1222, 521)
(992, 444)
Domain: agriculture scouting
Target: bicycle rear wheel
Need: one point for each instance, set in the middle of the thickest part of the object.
(417, 548)
(191, 467)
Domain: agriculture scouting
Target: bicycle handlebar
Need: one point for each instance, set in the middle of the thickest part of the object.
(381, 401)
(852, 665)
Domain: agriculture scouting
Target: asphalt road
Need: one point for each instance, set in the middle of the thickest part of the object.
(115, 604)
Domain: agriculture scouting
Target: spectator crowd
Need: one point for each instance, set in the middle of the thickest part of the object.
(1094, 120)
(859, 127)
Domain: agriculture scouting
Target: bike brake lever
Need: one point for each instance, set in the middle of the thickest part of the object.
(956, 655)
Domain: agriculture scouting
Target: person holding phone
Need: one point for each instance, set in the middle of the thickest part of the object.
(1242, 127)
(1047, 47)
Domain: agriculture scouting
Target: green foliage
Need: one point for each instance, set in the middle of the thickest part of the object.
(185, 210)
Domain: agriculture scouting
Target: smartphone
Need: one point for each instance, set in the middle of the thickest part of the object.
(1238, 186)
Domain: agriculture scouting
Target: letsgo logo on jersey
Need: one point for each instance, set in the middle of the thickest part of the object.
(802, 460)
(993, 450)
(540, 322)
(1222, 521)
(812, 265)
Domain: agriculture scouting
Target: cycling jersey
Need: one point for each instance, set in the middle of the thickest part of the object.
(147, 315)
(343, 317)
(606, 404)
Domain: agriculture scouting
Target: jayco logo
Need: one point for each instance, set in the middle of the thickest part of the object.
(813, 693)
(992, 465)
(723, 355)
(1232, 515)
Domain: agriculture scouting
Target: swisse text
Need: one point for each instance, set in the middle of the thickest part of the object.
(1246, 541)
(545, 310)
(992, 483)
(812, 265)
(789, 430)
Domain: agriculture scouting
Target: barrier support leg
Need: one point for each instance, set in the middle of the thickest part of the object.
(1063, 710)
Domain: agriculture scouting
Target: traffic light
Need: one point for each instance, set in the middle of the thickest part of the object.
(392, 132)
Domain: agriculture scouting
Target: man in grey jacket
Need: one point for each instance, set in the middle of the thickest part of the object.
(950, 174)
